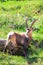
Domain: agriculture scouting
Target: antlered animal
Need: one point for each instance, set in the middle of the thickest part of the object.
(21, 40)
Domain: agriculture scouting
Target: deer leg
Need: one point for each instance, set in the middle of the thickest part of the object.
(25, 51)
(5, 48)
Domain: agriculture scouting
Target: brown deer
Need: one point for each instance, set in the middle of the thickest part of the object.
(21, 40)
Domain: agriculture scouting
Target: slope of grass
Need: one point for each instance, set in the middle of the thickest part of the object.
(6, 59)
(14, 13)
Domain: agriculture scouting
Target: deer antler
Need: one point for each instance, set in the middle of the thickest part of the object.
(26, 23)
(33, 22)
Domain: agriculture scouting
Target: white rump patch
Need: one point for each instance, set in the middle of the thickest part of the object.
(10, 33)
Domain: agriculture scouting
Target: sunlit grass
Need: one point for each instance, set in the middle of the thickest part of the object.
(9, 59)
(38, 36)
(13, 11)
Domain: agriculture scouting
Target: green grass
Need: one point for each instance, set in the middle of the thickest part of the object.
(15, 12)
(11, 60)
(6, 59)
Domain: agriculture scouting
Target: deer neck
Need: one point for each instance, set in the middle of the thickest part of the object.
(29, 34)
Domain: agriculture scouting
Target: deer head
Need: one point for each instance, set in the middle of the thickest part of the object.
(29, 29)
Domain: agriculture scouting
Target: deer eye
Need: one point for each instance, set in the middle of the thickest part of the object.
(28, 29)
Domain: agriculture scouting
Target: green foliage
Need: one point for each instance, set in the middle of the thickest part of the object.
(13, 14)
(6, 59)
(12, 17)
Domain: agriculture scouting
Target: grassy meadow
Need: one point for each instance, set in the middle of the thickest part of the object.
(12, 18)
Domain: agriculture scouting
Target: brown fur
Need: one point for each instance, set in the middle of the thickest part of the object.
(21, 40)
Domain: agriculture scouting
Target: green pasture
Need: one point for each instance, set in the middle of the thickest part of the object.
(12, 18)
